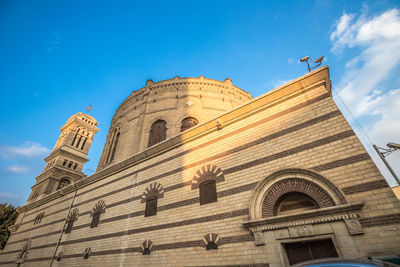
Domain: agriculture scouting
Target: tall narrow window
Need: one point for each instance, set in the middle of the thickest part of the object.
(115, 147)
(158, 132)
(79, 140)
(38, 218)
(73, 216)
(187, 123)
(150, 196)
(63, 183)
(73, 141)
(95, 219)
(208, 192)
(70, 224)
(151, 206)
(83, 144)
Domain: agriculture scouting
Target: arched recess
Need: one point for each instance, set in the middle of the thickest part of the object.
(270, 191)
(63, 183)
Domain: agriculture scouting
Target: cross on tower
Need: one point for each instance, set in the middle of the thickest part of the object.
(88, 109)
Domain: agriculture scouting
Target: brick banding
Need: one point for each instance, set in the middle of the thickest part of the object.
(389, 219)
(342, 162)
(165, 207)
(245, 128)
(168, 246)
(209, 218)
(250, 144)
(365, 187)
(292, 151)
(277, 190)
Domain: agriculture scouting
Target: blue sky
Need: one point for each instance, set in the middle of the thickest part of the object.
(57, 57)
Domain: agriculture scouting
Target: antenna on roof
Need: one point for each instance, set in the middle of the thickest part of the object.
(318, 62)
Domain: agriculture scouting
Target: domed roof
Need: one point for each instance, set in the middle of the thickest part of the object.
(183, 84)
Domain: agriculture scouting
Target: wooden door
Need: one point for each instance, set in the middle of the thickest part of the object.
(310, 250)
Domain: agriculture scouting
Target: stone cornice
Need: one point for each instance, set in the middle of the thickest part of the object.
(310, 81)
(62, 151)
(330, 214)
(76, 118)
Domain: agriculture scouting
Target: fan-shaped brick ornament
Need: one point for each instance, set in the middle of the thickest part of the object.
(146, 247)
(208, 172)
(153, 190)
(211, 241)
(100, 207)
(73, 215)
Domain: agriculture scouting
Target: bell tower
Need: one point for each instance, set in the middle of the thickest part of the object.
(64, 164)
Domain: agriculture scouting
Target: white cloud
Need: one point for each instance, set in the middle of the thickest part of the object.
(17, 169)
(377, 43)
(7, 195)
(27, 149)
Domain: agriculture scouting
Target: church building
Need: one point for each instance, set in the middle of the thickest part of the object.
(197, 172)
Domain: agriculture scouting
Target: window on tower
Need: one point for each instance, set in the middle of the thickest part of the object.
(63, 183)
(158, 132)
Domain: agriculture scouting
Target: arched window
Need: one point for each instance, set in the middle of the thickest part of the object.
(34, 196)
(158, 132)
(294, 202)
(98, 209)
(188, 122)
(73, 216)
(113, 145)
(208, 192)
(76, 135)
(151, 195)
(38, 218)
(205, 180)
(63, 183)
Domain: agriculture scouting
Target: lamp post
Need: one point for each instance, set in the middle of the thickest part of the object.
(383, 152)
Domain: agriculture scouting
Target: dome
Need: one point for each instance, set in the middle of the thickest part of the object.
(163, 109)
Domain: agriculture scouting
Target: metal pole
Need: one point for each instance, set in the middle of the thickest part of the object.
(387, 164)
(63, 227)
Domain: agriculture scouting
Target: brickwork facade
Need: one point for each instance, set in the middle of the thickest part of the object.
(292, 139)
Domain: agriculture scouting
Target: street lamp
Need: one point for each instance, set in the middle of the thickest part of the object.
(383, 152)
